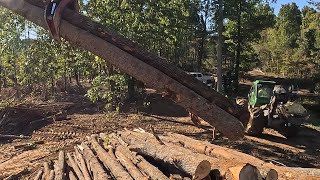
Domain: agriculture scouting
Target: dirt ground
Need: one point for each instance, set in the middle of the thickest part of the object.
(85, 118)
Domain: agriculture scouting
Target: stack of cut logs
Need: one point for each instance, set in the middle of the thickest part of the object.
(141, 155)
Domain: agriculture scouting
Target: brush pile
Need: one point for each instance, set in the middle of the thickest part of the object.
(142, 155)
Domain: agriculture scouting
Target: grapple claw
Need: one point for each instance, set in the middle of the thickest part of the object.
(53, 12)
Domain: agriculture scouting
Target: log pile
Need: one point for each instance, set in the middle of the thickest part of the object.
(141, 155)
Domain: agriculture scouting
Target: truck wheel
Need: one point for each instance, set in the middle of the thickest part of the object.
(289, 131)
(256, 123)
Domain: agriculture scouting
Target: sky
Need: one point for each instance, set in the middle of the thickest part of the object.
(277, 6)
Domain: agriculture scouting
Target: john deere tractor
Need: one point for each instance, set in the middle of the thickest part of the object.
(272, 106)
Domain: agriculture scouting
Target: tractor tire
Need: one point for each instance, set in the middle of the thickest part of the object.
(256, 122)
(289, 131)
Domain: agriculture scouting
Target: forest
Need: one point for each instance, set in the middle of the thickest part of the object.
(183, 32)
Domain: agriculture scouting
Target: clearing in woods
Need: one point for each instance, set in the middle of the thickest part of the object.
(85, 118)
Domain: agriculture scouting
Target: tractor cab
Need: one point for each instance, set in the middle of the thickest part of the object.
(261, 93)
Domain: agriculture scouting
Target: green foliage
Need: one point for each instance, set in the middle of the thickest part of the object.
(100, 90)
(292, 43)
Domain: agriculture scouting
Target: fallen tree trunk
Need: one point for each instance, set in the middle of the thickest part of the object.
(226, 123)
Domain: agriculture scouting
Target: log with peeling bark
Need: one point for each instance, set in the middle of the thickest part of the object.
(82, 164)
(213, 108)
(145, 167)
(149, 58)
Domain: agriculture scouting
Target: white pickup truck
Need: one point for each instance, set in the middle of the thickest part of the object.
(208, 80)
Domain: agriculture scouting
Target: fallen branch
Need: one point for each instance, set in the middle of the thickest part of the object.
(11, 137)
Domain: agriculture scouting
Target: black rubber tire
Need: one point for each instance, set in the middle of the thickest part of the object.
(256, 123)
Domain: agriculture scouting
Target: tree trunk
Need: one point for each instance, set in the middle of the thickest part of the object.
(131, 89)
(239, 49)
(219, 47)
(190, 93)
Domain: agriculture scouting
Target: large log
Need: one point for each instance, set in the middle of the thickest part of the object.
(208, 148)
(151, 59)
(182, 158)
(226, 123)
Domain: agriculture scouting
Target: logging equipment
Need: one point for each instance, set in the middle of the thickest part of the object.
(53, 12)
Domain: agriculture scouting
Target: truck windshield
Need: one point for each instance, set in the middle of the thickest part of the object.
(264, 91)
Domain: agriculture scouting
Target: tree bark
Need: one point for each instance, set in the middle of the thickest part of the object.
(246, 171)
(97, 169)
(39, 175)
(182, 158)
(109, 161)
(131, 168)
(75, 167)
(214, 108)
(238, 52)
(147, 168)
(60, 167)
(82, 163)
(219, 47)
